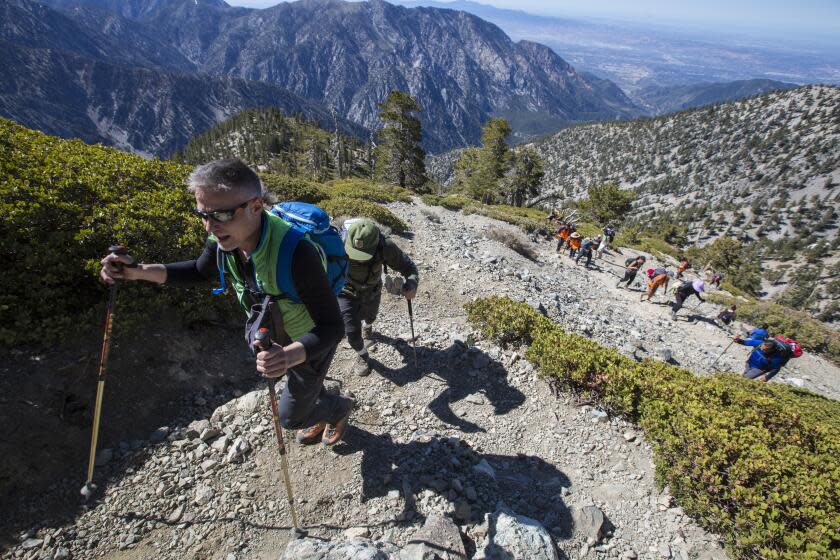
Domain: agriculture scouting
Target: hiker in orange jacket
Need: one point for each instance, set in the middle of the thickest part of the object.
(562, 235)
(574, 243)
(657, 278)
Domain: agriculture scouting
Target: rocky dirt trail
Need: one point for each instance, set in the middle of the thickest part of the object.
(468, 455)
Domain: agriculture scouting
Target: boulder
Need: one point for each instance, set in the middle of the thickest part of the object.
(589, 523)
(516, 536)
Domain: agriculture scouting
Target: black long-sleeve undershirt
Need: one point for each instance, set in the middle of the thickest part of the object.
(310, 282)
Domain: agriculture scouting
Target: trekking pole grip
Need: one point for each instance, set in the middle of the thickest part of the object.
(262, 340)
(120, 249)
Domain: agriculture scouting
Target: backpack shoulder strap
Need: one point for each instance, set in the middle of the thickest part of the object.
(284, 272)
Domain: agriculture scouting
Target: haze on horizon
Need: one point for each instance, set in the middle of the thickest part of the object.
(814, 20)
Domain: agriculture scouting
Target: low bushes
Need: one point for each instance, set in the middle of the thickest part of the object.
(366, 190)
(347, 207)
(757, 463)
(529, 219)
(284, 188)
(450, 202)
(811, 334)
(63, 203)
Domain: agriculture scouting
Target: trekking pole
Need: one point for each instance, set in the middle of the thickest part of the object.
(721, 354)
(89, 488)
(411, 322)
(263, 342)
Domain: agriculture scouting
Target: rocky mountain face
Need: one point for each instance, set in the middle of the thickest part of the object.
(145, 110)
(663, 100)
(765, 170)
(345, 55)
(472, 448)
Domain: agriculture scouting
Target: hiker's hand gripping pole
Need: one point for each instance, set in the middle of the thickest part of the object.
(263, 342)
(89, 487)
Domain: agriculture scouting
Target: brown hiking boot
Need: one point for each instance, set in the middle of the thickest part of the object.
(312, 434)
(334, 432)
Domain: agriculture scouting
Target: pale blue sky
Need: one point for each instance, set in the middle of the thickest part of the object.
(822, 17)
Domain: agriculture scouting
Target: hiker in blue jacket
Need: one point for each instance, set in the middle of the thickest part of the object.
(770, 356)
(759, 333)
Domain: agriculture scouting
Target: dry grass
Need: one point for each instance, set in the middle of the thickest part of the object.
(513, 241)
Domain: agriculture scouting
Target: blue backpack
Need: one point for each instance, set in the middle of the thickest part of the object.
(308, 219)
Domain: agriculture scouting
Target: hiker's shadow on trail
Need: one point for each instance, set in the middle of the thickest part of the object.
(695, 318)
(462, 371)
(472, 483)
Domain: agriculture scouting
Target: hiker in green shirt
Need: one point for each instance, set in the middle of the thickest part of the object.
(370, 252)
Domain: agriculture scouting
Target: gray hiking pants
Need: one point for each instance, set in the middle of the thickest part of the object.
(304, 401)
(355, 308)
(752, 373)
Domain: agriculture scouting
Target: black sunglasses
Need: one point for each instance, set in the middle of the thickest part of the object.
(221, 216)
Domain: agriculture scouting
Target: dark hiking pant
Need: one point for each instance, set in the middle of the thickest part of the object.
(355, 308)
(680, 299)
(304, 401)
(629, 276)
(560, 243)
(587, 254)
(572, 252)
(752, 373)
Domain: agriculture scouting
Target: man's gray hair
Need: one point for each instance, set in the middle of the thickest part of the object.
(225, 175)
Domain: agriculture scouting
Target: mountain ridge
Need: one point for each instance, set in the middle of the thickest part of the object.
(349, 56)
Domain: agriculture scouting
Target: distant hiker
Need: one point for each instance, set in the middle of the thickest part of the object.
(760, 333)
(609, 234)
(686, 290)
(716, 278)
(770, 356)
(633, 265)
(244, 245)
(371, 252)
(657, 278)
(727, 315)
(586, 247)
(683, 266)
(574, 244)
(602, 246)
(562, 234)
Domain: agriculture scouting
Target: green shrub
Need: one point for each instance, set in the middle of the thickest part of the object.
(352, 207)
(366, 190)
(63, 203)
(284, 188)
(757, 463)
(529, 219)
(811, 334)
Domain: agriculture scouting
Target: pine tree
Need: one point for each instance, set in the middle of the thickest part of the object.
(479, 171)
(399, 158)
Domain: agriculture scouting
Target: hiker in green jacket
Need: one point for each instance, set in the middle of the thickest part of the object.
(370, 252)
(243, 245)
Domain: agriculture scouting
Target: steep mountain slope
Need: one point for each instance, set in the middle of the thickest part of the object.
(766, 170)
(663, 100)
(143, 110)
(349, 55)
(273, 142)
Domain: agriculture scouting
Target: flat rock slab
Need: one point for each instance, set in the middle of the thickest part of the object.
(354, 549)
(439, 538)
